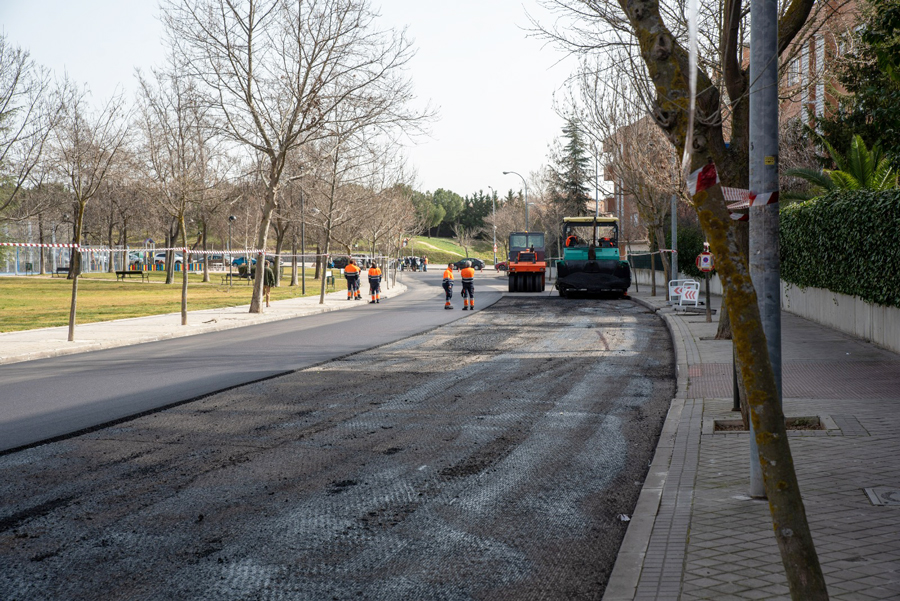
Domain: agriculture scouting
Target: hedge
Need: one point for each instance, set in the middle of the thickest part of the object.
(847, 242)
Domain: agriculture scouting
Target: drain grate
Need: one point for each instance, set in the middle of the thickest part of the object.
(883, 496)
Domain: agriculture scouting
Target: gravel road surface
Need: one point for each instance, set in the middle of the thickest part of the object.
(490, 458)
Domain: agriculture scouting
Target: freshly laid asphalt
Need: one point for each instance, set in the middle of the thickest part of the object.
(695, 533)
(64, 391)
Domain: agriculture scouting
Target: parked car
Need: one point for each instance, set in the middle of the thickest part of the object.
(476, 263)
(160, 257)
(501, 266)
(238, 261)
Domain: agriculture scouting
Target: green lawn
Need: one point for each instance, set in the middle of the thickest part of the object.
(28, 302)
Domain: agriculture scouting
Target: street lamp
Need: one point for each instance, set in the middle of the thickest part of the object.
(231, 219)
(302, 239)
(526, 195)
(494, 218)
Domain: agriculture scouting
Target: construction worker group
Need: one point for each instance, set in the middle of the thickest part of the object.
(467, 273)
(352, 274)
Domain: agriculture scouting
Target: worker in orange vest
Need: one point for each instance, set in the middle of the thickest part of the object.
(351, 273)
(374, 283)
(468, 289)
(448, 285)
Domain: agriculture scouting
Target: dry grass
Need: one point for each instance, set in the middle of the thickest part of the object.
(41, 301)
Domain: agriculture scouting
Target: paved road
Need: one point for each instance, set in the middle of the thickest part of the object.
(490, 458)
(47, 398)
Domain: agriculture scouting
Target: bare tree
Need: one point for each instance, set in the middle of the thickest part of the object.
(650, 34)
(176, 151)
(28, 113)
(86, 144)
(275, 71)
(638, 156)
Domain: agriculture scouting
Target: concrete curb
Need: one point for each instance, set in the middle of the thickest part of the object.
(623, 580)
(234, 317)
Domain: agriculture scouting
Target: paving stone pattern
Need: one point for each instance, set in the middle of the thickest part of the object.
(804, 379)
(710, 540)
(731, 553)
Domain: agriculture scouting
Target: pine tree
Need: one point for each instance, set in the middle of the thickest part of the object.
(571, 172)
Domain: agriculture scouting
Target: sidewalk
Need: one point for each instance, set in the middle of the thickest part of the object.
(695, 534)
(53, 342)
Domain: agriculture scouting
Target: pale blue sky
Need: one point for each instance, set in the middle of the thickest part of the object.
(493, 85)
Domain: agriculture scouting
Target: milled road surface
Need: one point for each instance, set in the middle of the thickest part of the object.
(490, 458)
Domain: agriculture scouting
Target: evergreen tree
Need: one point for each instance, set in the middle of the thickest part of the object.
(571, 172)
(871, 75)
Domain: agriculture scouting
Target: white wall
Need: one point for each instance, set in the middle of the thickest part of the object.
(875, 323)
(849, 314)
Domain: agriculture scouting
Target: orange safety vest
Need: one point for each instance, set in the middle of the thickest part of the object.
(351, 270)
(468, 275)
(448, 275)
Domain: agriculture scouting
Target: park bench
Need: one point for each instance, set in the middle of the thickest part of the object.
(121, 275)
(60, 271)
(229, 277)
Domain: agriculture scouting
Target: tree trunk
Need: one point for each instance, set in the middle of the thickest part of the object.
(318, 262)
(171, 238)
(279, 246)
(742, 231)
(185, 262)
(785, 502)
(41, 240)
(324, 269)
(660, 243)
(205, 230)
(668, 67)
(256, 303)
(75, 265)
(111, 267)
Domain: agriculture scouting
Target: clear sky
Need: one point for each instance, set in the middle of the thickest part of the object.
(492, 84)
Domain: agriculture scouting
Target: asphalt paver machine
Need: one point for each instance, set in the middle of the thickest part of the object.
(591, 261)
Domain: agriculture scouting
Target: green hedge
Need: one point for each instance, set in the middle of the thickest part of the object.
(847, 242)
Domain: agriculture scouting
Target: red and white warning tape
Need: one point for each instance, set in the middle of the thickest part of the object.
(31, 245)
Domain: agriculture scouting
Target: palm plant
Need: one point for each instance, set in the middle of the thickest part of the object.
(861, 169)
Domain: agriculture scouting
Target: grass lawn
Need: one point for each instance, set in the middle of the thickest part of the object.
(28, 302)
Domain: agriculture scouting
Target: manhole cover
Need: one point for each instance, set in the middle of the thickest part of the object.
(884, 496)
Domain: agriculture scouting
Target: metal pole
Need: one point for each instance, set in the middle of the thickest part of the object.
(596, 183)
(494, 218)
(302, 245)
(674, 237)
(526, 204)
(764, 260)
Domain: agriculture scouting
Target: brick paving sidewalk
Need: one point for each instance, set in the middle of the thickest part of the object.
(708, 539)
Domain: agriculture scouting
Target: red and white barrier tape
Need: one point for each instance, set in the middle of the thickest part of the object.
(34, 245)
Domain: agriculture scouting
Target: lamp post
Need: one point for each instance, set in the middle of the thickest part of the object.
(231, 219)
(302, 239)
(526, 195)
(494, 218)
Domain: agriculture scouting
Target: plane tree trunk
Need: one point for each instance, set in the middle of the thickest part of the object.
(668, 66)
